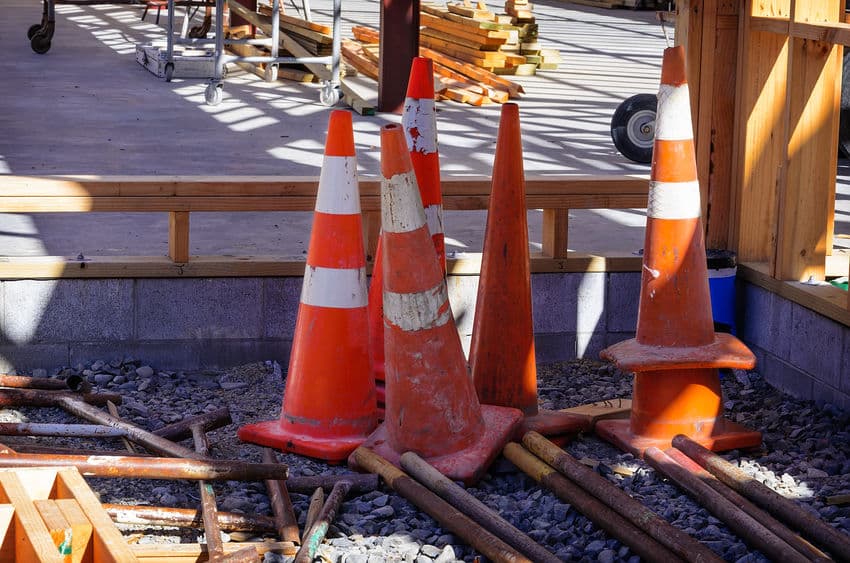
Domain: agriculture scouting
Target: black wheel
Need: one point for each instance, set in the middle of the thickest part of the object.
(844, 120)
(169, 71)
(40, 43)
(34, 28)
(633, 127)
(213, 93)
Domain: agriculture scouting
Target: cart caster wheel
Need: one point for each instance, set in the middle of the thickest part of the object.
(33, 30)
(40, 43)
(633, 127)
(169, 71)
(329, 95)
(213, 93)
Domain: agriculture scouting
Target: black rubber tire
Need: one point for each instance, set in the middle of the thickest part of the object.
(633, 127)
(844, 120)
(33, 29)
(40, 43)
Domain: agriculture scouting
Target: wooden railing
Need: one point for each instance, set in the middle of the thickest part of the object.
(181, 195)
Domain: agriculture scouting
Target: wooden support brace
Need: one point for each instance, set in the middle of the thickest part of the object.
(555, 232)
(178, 236)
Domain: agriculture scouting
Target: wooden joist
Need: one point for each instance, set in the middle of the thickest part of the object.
(353, 54)
(487, 59)
(450, 25)
(471, 42)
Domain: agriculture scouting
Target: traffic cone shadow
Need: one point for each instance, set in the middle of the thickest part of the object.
(676, 354)
(329, 401)
(431, 407)
(502, 356)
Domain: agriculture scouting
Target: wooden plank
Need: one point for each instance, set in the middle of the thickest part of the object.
(178, 236)
(354, 55)
(470, 41)
(57, 526)
(808, 193)
(555, 235)
(361, 93)
(603, 410)
(472, 71)
(445, 14)
(451, 26)
(32, 539)
(297, 22)
(82, 548)
(474, 56)
(192, 552)
(7, 533)
(108, 545)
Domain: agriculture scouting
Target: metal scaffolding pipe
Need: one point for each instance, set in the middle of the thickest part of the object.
(25, 382)
(63, 430)
(615, 525)
(671, 537)
(783, 509)
(286, 524)
(441, 511)
(209, 510)
(49, 398)
(317, 501)
(182, 430)
(457, 496)
(25, 448)
(187, 518)
(325, 518)
(306, 484)
(737, 520)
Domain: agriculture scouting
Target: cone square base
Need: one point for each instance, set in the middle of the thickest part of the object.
(467, 465)
(728, 435)
(725, 352)
(274, 434)
(559, 426)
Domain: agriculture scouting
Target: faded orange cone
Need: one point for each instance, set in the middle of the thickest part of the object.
(432, 408)
(329, 403)
(676, 353)
(501, 354)
(419, 120)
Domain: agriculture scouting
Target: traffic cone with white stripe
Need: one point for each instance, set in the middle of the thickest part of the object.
(432, 408)
(329, 402)
(419, 120)
(501, 354)
(675, 354)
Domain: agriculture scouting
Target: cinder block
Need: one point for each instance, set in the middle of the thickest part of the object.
(23, 358)
(572, 302)
(622, 301)
(282, 297)
(229, 353)
(765, 322)
(589, 344)
(844, 384)
(463, 293)
(162, 354)
(554, 347)
(817, 345)
(822, 394)
(68, 310)
(786, 377)
(186, 309)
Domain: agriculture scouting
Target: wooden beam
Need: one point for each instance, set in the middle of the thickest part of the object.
(807, 195)
(555, 236)
(178, 236)
(7, 533)
(32, 540)
(829, 32)
(82, 550)
(192, 552)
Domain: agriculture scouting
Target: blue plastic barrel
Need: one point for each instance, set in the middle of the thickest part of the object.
(722, 267)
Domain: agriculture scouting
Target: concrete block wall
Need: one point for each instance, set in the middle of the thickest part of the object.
(217, 322)
(797, 350)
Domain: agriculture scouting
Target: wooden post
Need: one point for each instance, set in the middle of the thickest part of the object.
(759, 143)
(178, 236)
(555, 232)
(807, 196)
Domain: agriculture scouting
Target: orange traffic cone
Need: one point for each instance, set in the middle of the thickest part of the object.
(431, 408)
(501, 355)
(676, 353)
(329, 403)
(419, 120)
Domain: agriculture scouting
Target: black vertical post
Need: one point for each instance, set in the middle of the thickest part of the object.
(399, 44)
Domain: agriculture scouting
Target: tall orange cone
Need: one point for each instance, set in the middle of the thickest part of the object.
(501, 355)
(419, 120)
(676, 353)
(432, 408)
(329, 402)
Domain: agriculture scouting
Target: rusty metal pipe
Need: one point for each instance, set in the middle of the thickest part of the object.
(183, 429)
(25, 382)
(783, 509)
(319, 529)
(306, 484)
(128, 445)
(285, 521)
(64, 430)
(671, 537)
(317, 501)
(786, 534)
(142, 437)
(737, 520)
(426, 474)
(209, 510)
(151, 467)
(187, 518)
(49, 398)
(78, 384)
(24, 448)
(615, 525)
(441, 511)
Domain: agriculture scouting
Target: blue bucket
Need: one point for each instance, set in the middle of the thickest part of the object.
(722, 268)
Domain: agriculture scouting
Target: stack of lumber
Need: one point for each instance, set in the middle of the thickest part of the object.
(456, 77)
(315, 38)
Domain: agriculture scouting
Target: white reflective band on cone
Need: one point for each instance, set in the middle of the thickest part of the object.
(673, 200)
(401, 206)
(337, 288)
(338, 193)
(417, 311)
(420, 114)
(434, 219)
(673, 117)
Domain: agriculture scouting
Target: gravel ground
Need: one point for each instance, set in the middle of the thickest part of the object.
(806, 456)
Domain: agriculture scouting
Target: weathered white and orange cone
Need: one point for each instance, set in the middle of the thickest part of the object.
(501, 355)
(676, 354)
(419, 120)
(431, 405)
(329, 402)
